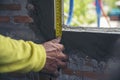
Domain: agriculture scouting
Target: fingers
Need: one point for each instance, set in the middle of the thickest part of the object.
(57, 42)
(49, 46)
(57, 63)
(51, 67)
(54, 63)
(60, 60)
(58, 55)
(58, 46)
(61, 64)
(62, 56)
(55, 57)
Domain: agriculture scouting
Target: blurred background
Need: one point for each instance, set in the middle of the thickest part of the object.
(85, 13)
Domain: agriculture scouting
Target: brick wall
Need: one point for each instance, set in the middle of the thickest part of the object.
(16, 22)
(14, 11)
(14, 19)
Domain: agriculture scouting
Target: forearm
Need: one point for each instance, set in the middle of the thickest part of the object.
(21, 56)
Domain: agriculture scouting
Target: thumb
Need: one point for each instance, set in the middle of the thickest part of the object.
(57, 40)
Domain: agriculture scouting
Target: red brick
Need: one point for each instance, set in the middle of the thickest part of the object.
(23, 19)
(79, 73)
(4, 19)
(10, 7)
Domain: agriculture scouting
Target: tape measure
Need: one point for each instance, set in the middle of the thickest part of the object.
(58, 20)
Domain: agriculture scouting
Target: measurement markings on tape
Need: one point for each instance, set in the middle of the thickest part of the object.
(58, 8)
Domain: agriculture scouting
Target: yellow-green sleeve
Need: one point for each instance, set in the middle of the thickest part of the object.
(20, 56)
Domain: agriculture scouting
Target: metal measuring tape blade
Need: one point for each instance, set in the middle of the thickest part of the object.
(58, 20)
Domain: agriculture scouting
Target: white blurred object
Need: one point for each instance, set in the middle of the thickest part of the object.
(117, 3)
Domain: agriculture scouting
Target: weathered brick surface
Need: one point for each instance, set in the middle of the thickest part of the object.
(23, 19)
(16, 28)
(8, 1)
(10, 7)
(4, 19)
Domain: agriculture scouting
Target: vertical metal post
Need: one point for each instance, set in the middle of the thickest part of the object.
(71, 7)
(98, 11)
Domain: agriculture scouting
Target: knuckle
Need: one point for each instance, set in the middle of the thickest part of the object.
(63, 56)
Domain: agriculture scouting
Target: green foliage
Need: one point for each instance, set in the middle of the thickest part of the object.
(82, 12)
(110, 3)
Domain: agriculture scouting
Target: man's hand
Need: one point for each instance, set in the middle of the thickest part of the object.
(55, 57)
